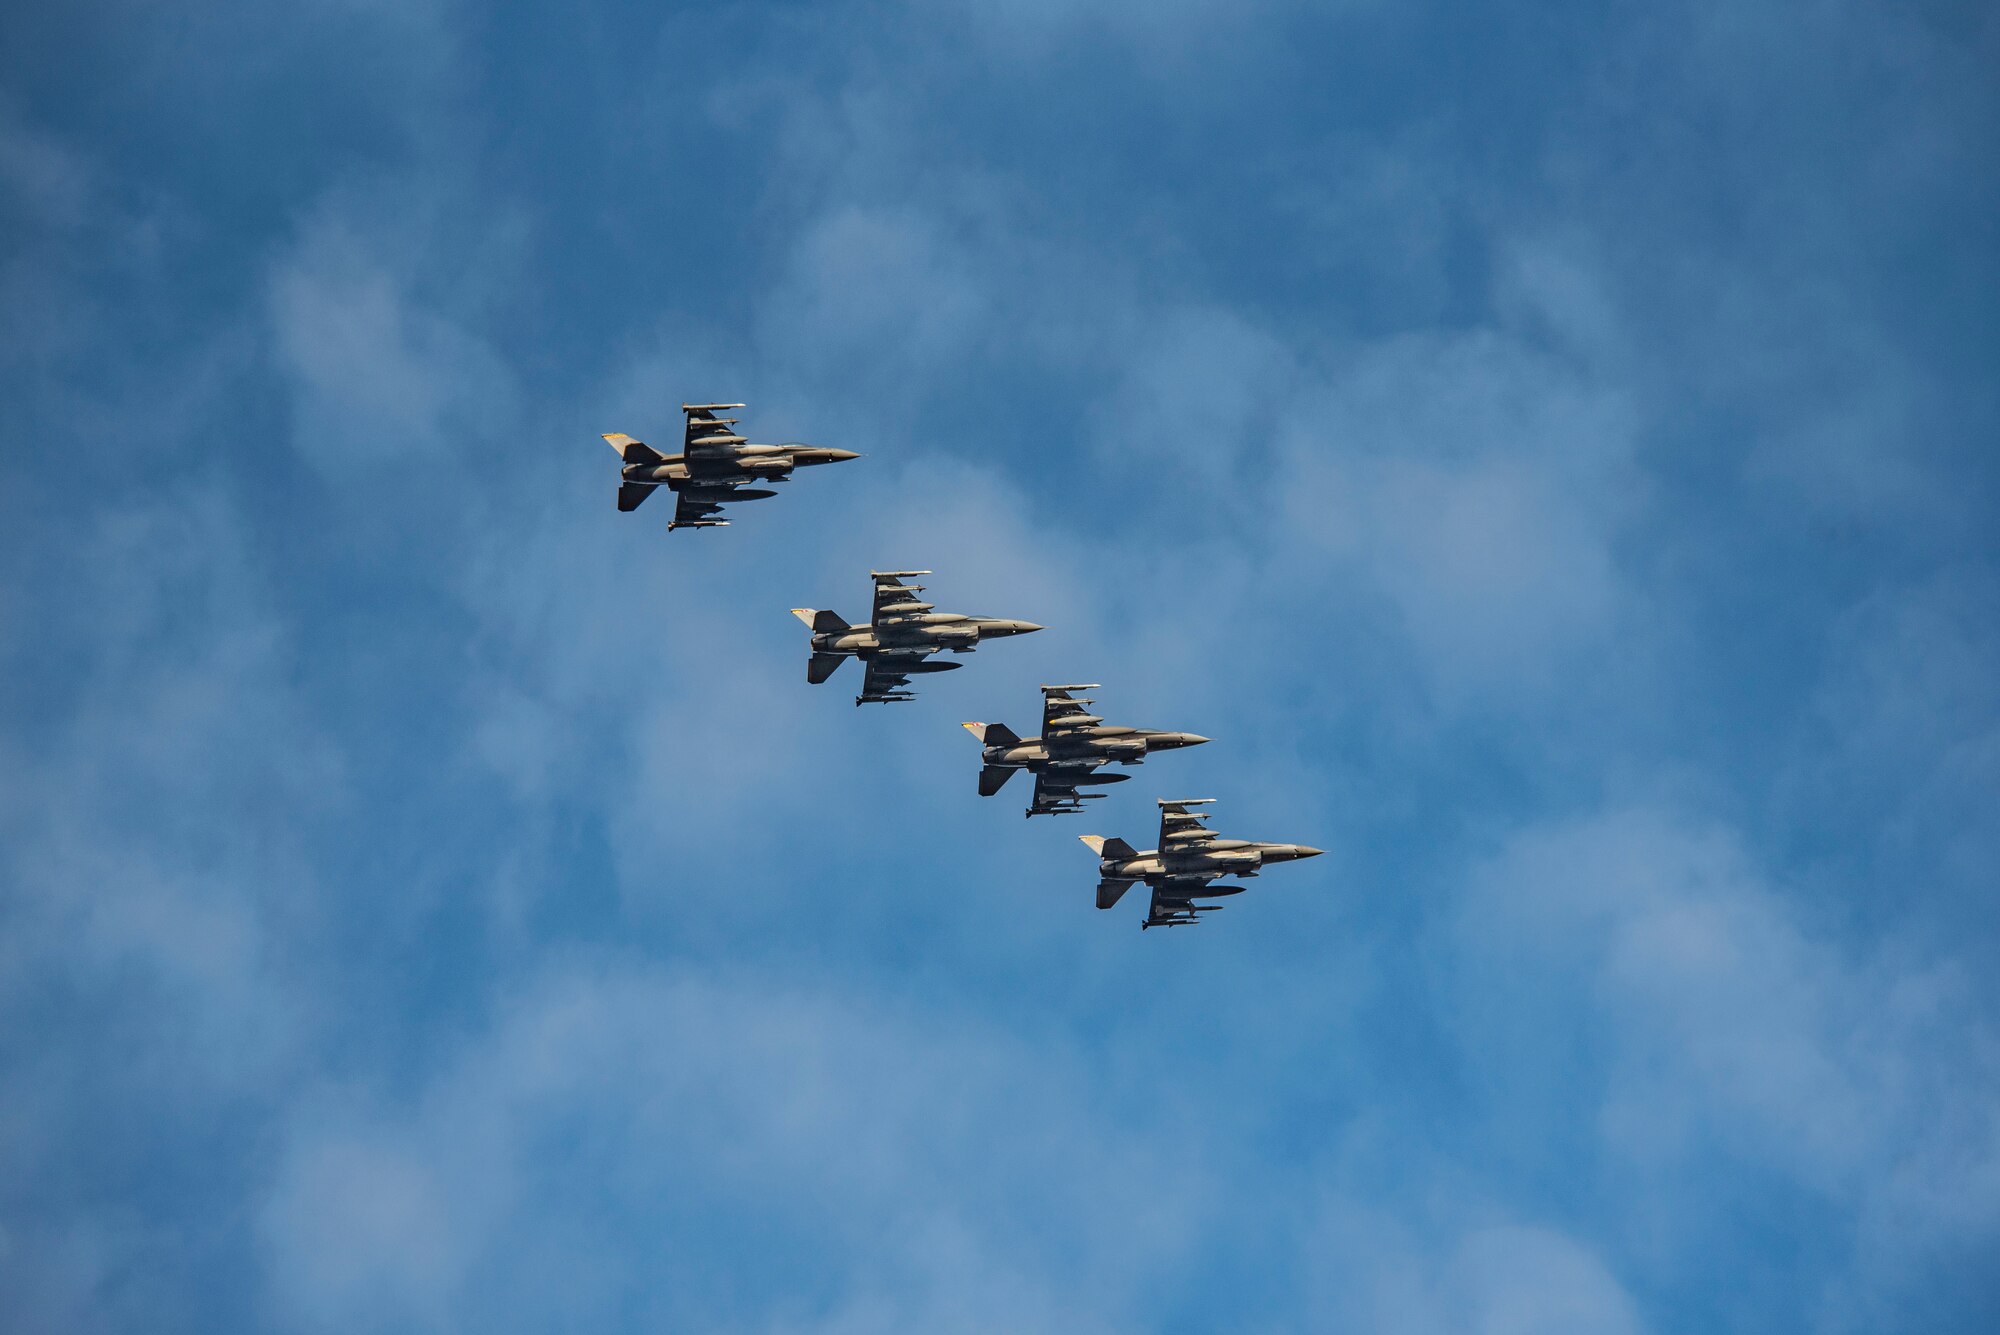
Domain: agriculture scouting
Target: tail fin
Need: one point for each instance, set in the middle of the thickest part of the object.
(822, 622)
(1109, 848)
(633, 451)
(991, 734)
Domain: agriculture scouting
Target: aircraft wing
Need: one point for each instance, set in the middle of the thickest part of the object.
(895, 600)
(698, 507)
(1173, 901)
(1055, 787)
(1062, 710)
(1180, 825)
(706, 429)
(886, 677)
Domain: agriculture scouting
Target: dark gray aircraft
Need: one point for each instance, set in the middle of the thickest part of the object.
(1180, 870)
(900, 635)
(715, 467)
(1074, 743)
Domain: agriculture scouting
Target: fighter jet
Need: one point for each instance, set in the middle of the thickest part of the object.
(1074, 743)
(898, 638)
(1180, 870)
(715, 467)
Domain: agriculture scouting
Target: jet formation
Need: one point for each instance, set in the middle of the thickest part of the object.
(717, 467)
(1185, 866)
(1073, 746)
(901, 634)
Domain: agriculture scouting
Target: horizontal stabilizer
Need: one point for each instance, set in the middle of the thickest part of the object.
(821, 666)
(1110, 892)
(632, 495)
(992, 778)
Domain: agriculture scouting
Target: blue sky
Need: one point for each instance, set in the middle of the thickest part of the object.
(1552, 454)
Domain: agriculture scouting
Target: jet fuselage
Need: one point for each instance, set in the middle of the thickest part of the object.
(1109, 742)
(722, 463)
(1237, 857)
(931, 630)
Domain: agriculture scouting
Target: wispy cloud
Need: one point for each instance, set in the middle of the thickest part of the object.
(434, 899)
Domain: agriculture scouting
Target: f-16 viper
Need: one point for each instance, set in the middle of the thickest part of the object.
(1073, 745)
(714, 468)
(1185, 865)
(900, 635)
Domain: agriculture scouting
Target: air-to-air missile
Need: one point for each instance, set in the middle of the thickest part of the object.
(1073, 745)
(714, 468)
(1185, 865)
(899, 636)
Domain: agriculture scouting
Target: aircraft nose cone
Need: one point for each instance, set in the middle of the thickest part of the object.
(842, 456)
(1019, 627)
(1306, 851)
(1193, 739)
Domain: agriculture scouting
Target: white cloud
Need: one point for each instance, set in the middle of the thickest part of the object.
(1904, 733)
(1460, 496)
(42, 178)
(1168, 36)
(1729, 1030)
(948, 1175)
(365, 1238)
(1478, 487)
(876, 295)
(154, 876)
(1401, 1273)
(183, 718)
(1530, 1281)
(380, 376)
(1195, 391)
